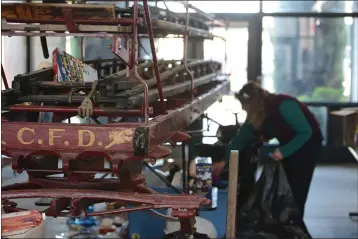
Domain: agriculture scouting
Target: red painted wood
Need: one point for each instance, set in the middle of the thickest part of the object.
(163, 127)
(67, 137)
(157, 200)
(114, 138)
(73, 110)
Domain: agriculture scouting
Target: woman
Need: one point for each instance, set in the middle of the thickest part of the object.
(292, 124)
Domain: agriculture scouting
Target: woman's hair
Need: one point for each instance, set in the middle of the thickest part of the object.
(252, 98)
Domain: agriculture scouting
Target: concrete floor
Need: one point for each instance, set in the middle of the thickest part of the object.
(333, 194)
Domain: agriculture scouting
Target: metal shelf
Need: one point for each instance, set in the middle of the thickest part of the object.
(161, 26)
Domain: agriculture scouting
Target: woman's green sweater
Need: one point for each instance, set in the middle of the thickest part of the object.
(293, 115)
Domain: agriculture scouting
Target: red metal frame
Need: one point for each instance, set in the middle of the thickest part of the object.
(120, 21)
(68, 110)
(117, 142)
(125, 145)
(150, 201)
(154, 55)
(185, 55)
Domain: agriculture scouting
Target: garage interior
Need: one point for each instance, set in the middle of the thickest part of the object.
(305, 49)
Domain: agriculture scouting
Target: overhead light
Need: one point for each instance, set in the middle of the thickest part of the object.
(348, 21)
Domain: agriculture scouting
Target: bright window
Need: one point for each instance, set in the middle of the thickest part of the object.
(170, 48)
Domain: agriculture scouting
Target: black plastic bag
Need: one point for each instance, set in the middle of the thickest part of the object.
(270, 211)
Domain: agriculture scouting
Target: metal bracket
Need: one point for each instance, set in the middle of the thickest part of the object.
(140, 141)
(121, 52)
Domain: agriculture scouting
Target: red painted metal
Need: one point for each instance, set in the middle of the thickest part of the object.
(165, 201)
(154, 55)
(134, 61)
(73, 110)
(60, 34)
(109, 139)
(69, 21)
(117, 211)
(62, 183)
(164, 127)
(120, 21)
(79, 197)
(83, 147)
(67, 137)
(185, 55)
(160, 129)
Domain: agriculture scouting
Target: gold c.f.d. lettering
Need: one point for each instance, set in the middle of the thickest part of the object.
(21, 132)
(92, 138)
(52, 136)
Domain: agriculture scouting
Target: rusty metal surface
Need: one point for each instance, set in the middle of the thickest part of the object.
(154, 56)
(62, 183)
(164, 201)
(67, 137)
(170, 90)
(44, 12)
(8, 29)
(184, 206)
(163, 127)
(164, 21)
(58, 34)
(67, 110)
(177, 74)
(115, 90)
(37, 147)
(108, 139)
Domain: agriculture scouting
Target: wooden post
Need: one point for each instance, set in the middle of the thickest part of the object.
(232, 195)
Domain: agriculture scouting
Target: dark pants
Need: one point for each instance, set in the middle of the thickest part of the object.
(299, 169)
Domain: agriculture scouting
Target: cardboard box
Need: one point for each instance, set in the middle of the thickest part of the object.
(349, 125)
(70, 69)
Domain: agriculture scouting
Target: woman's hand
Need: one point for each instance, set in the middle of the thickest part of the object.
(276, 155)
(217, 168)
